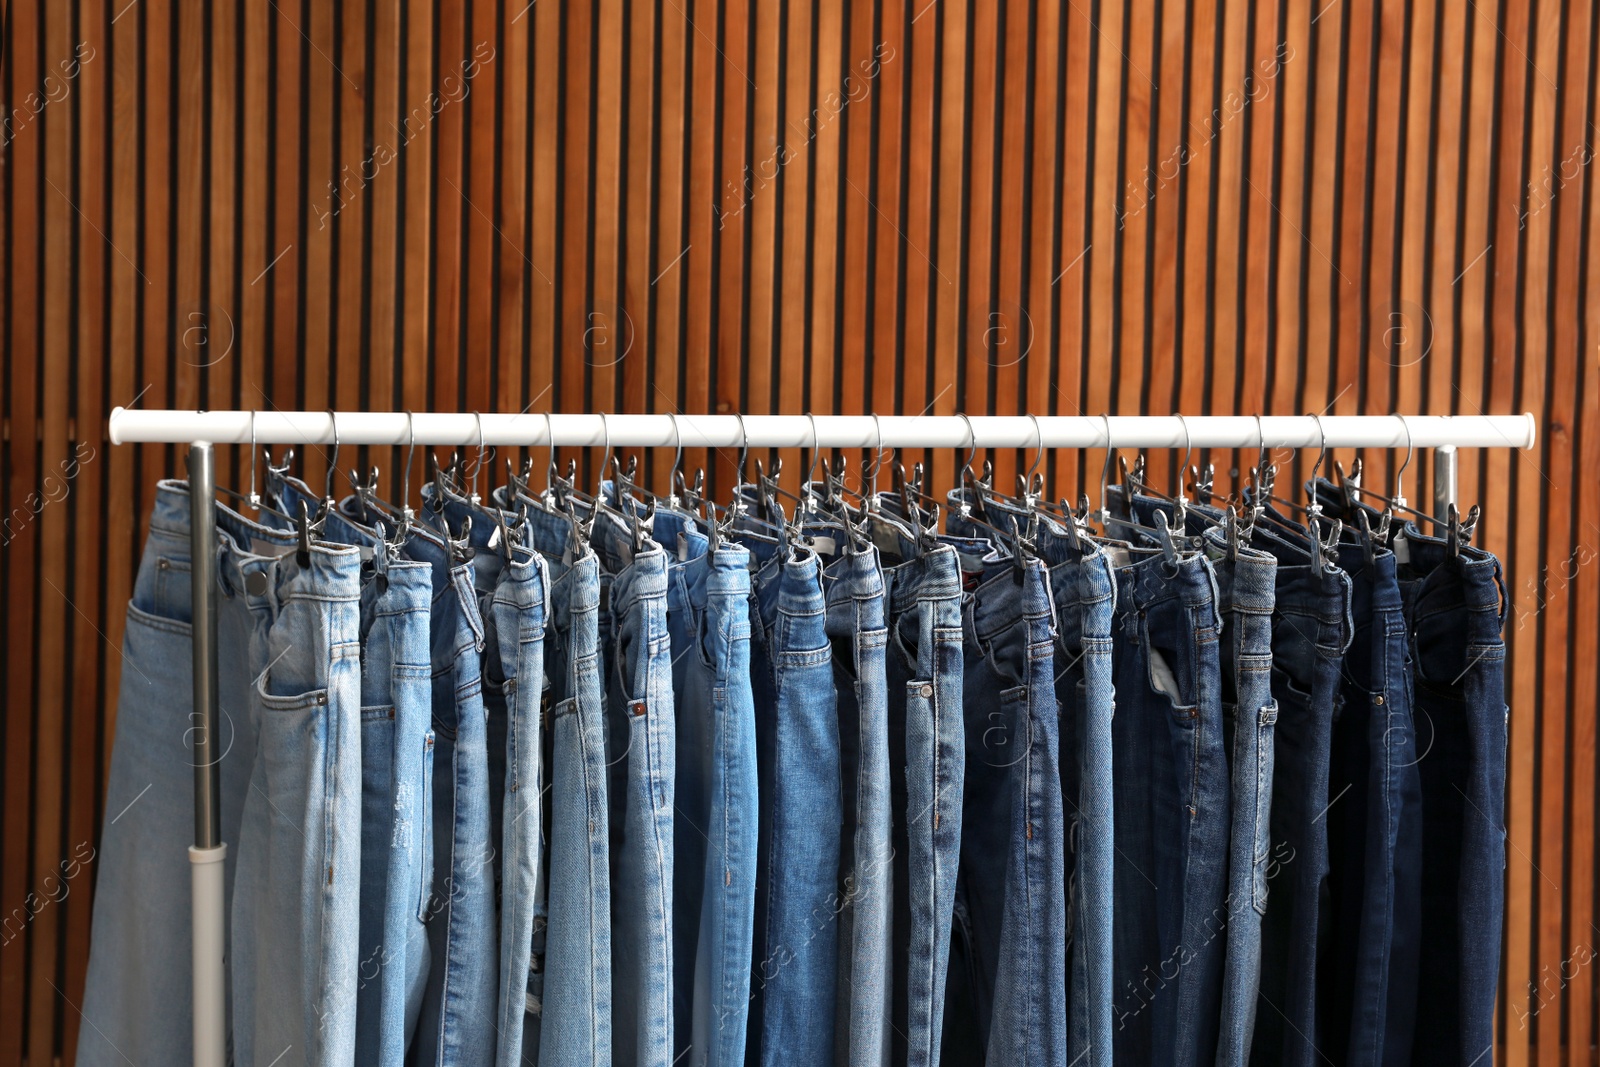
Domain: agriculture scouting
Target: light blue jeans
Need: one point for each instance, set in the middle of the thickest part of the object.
(643, 731)
(138, 994)
(572, 1027)
(462, 924)
(853, 585)
(715, 831)
(296, 903)
(397, 744)
(927, 767)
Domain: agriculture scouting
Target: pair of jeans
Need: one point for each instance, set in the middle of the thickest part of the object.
(927, 766)
(856, 629)
(1454, 606)
(1369, 975)
(1084, 585)
(797, 945)
(397, 745)
(138, 994)
(295, 927)
(462, 923)
(573, 1021)
(1310, 632)
(643, 729)
(1172, 800)
(1246, 589)
(514, 631)
(1008, 984)
(715, 829)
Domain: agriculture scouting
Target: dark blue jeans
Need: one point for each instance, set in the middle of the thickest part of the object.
(1310, 632)
(1456, 608)
(1455, 613)
(1172, 800)
(1368, 980)
(1007, 988)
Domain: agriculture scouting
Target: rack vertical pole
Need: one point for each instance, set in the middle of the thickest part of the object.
(207, 854)
(1444, 486)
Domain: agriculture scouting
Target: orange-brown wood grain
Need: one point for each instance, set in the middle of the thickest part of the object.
(871, 206)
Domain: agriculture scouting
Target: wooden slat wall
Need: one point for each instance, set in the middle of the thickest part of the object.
(827, 205)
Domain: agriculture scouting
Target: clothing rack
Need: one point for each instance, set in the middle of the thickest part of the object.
(204, 429)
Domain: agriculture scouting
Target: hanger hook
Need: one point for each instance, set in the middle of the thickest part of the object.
(1188, 450)
(1322, 452)
(333, 464)
(744, 452)
(1400, 477)
(255, 497)
(552, 472)
(816, 448)
(877, 455)
(477, 465)
(972, 442)
(605, 459)
(677, 459)
(1105, 471)
(1038, 444)
(411, 451)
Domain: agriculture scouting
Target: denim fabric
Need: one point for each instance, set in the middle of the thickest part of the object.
(853, 585)
(1084, 585)
(570, 1023)
(1008, 988)
(715, 830)
(462, 923)
(798, 902)
(1246, 588)
(514, 630)
(1368, 979)
(138, 994)
(396, 811)
(927, 765)
(1456, 608)
(295, 926)
(640, 713)
(1172, 798)
(1310, 632)
(397, 745)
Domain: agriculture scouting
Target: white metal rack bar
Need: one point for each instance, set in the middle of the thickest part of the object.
(827, 431)
(203, 429)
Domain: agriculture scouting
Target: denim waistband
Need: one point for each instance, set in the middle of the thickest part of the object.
(1479, 580)
(1379, 576)
(1007, 594)
(246, 547)
(931, 575)
(1150, 581)
(576, 587)
(1253, 576)
(800, 587)
(642, 579)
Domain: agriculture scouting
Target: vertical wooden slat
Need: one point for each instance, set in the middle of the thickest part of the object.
(87, 460)
(611, 324)
(356, 167)
(55, 590)
(480, 69)
(823, 230)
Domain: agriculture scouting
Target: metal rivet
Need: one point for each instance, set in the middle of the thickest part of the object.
(638, 707)
(162, 564)
(927, 690)
(255, 583)
(1378, 699)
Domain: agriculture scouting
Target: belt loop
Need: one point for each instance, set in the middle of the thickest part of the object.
(224, 586)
